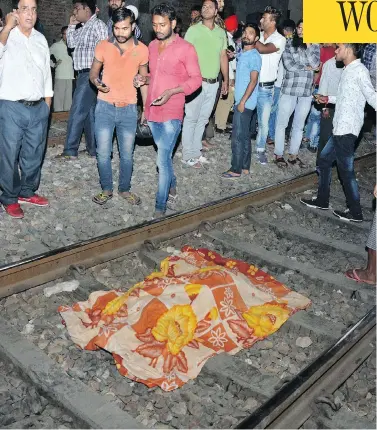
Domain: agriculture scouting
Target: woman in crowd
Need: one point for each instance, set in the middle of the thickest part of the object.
(300, 60)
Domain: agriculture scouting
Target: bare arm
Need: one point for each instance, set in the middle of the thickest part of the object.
(268, 48)
(11, 21)
(95, 71)
(143, 71)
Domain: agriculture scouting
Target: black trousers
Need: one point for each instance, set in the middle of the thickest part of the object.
(325, 132)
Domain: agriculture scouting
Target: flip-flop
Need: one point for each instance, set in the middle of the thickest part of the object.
(131, 198)
(228, 175)
(102, 198)
(357, 278)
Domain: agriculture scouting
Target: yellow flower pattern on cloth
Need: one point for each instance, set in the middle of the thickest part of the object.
(266, 319)
(231, 264)
(193, 289)
(176, 327)
(252, 270)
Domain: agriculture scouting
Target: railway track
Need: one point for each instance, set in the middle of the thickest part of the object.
(257, 388)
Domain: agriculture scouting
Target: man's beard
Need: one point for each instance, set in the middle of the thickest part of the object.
(247, 43)
(111, 10)
(165, 36)
(122, 39)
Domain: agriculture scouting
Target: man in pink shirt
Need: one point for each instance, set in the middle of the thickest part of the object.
(174, 74)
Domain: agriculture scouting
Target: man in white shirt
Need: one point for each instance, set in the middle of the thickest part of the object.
(224, 105)
(271, 45)
(63, 74)
(355, 89)
(288, 28)
(25, 100)
(328, 86)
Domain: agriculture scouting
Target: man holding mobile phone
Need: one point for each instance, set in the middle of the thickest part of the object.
(121, 58)
(174, 73)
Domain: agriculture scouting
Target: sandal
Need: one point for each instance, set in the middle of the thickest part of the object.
(229, 175)
(102, 198)
(66, 157)
(355, 277)
(131, 198)
(297, 161)
(280, 162)
(270, 142)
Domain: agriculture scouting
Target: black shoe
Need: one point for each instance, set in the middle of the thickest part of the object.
(347, 216)
(312, 149)
(313, 203)
(220, 131)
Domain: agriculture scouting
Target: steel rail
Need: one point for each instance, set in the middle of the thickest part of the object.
(290, 407)
(36, 270)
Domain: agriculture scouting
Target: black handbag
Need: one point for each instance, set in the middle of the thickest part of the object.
(143, 130)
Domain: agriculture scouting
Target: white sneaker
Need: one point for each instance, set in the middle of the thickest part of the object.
(203, 160)
(192, 162)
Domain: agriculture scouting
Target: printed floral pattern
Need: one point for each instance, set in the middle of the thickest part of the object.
(163, 330)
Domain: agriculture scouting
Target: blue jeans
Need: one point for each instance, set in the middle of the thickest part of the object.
(81, 116)
(313, 127)
(342, 150)
(274, 112)
(165, 135)
(124, 120)
(23, 135)
(241, 140)
(264, 105)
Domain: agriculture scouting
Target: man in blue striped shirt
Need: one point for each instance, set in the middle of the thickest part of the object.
(115, 5)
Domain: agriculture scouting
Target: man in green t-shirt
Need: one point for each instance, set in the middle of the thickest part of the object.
(210, 43)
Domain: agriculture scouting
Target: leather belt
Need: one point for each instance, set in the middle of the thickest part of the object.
(210, 81)
(267, 84)
(83, 71)
(29, 103)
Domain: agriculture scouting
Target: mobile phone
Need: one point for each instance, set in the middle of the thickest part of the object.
(156, 100)
(102, 84)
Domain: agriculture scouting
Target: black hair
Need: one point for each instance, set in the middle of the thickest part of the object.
(214, 2)
(288, 24)
(15, 5)
(165, 9)
(1, 14)
(275, 13)
(254, 26)
(196, 8)
(63, 29)
(297, 41)
(357, 48)
(122, 14)
(91, 4)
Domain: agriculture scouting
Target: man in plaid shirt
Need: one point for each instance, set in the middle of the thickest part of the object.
(115, 5)
(300, 61)
(84, 41)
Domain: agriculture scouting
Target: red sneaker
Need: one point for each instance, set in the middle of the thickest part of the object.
(34, 200)
(14, 210)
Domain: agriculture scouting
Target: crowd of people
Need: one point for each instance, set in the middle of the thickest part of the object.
(275, 86)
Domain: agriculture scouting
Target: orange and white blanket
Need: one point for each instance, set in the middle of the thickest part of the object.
(163, 330)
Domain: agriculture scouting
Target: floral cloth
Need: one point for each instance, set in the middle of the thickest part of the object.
(163, 330)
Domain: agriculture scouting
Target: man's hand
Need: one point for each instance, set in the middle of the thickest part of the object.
(230, 54)
(140, 80)
(164, 98)
(224, 88)
(73, 20)
(101, 86)
(321, 99)
(11, 20)
(58, 62)
(241, 107)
